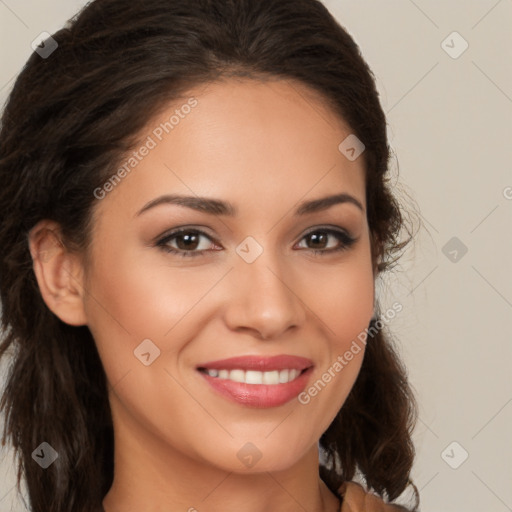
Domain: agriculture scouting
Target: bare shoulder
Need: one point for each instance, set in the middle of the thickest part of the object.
(356, 499)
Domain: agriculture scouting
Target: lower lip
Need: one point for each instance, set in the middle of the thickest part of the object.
(259, 395)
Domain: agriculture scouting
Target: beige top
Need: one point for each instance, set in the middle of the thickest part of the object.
(356, 499)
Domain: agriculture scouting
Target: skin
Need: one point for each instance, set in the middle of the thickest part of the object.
(264, 147)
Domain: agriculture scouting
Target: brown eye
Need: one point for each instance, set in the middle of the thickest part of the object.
(318, 239)
(186, 242)
(323, 241)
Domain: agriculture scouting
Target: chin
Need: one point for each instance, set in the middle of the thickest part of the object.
(259, 456)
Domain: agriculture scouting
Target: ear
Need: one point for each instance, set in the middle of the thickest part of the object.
(59, 273)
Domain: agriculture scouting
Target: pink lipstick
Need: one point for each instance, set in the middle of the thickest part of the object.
(258, 381)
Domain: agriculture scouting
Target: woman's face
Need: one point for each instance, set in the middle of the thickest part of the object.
(243, 281)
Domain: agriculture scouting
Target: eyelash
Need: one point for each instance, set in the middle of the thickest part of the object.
(346, 241)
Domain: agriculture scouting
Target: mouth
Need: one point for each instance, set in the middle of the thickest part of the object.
(257, 381)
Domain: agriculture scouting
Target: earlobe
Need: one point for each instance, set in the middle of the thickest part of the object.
(59, 273)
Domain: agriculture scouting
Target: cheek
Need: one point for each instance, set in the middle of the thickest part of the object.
(343, 297)
(345, 306)
(131, 299)
(349, 314)
(348, 306)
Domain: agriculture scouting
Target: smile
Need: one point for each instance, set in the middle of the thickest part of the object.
(258, 381)
(256, 377)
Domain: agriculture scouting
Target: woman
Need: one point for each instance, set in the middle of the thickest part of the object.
(194, 212)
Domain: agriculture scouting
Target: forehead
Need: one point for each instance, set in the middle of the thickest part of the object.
(241, 137)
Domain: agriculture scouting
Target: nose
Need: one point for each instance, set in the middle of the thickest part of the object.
(264, 299)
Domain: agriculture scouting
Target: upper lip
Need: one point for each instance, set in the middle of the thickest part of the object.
(259, 363)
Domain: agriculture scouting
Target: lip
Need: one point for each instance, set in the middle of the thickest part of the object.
(259, 395)
(259, 363)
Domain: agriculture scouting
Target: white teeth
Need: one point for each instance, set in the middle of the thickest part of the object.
(236, 375)
(256, 377)
(253, 377)
(223, 374)
(271, 377)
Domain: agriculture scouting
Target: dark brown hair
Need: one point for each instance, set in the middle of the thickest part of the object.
(69, 120)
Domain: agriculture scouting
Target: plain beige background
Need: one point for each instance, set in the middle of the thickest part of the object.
(450, 124)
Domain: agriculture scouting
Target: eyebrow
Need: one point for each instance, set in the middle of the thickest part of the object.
(218, 207)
